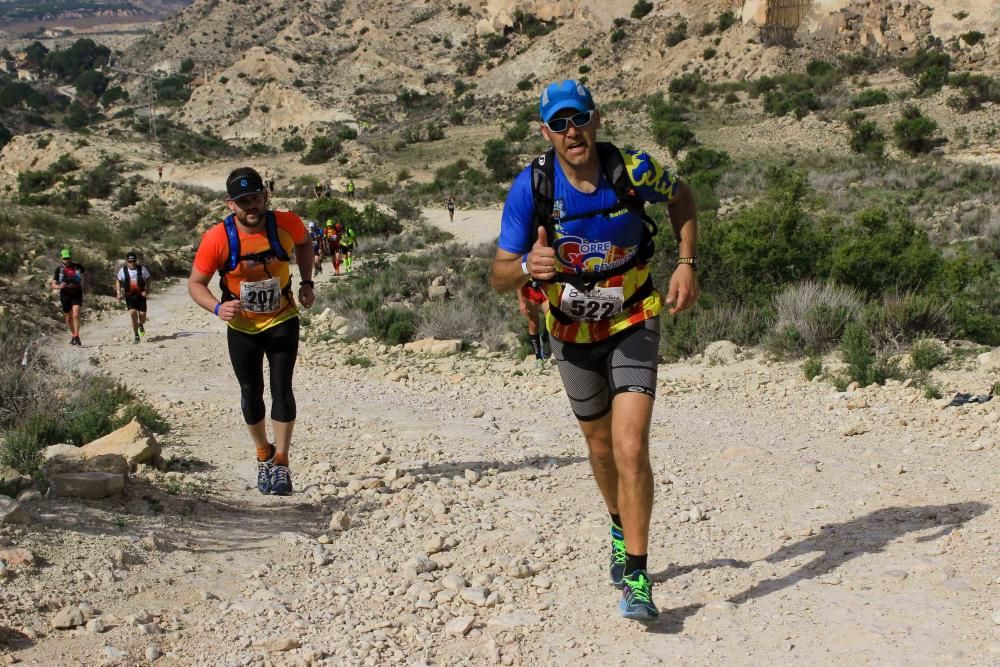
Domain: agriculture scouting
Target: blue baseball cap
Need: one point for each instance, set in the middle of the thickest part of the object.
(568, 94)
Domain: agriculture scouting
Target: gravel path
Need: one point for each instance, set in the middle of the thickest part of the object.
(445, 514)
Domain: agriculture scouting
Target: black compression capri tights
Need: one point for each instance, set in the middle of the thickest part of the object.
(247, 351)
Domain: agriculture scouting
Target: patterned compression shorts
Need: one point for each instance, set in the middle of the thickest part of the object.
(594, 373)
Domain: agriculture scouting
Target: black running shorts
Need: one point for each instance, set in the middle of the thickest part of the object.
(594, 373)
(68, 300)
(135, 302)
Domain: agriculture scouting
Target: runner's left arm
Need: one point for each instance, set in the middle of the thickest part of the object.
(304, 258)
(683, 290)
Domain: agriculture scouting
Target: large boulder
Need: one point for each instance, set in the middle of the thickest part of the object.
(10, 511)
(131, 441)
(722, 352)
(434, 347)
(90, 485)
(63, 459)
(989, 361)
(12, 482)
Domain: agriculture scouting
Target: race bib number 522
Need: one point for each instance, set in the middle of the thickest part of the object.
(261, 296)
(599, 303)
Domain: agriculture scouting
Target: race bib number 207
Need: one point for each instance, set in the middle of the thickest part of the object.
(261, 296)
(599, 303)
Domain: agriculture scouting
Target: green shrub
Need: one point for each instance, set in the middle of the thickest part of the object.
(709, 53)
(584, 52)
(294, 144)
(346, 133)
(499, 159)
(641, 8)
(812, 367)
(976, 90)
(869, 98)
(783, 102)
(394, 325)
(866, 137)
(617, 35)
(532, 26)
(863, 366)
(883, 253)
(668, 125)
(321, 150)
(930, 67)
(972, 37)
(927, 354)
(29, 182)
(676, 35)
(686, 84)
(524, 84)
(915, 132)
(174, 89)
(99, 182)
(357, 360)
(65, 164)
(727, 20)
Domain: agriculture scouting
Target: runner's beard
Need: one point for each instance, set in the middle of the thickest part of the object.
(252, 219)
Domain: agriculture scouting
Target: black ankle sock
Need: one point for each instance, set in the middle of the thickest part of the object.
(616, 521)
(536, 345)
(634, 563)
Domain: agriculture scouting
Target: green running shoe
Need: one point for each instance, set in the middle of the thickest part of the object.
(617, 556)
(637, 598)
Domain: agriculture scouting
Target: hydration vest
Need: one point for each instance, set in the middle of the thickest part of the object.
(276, 251)
(543, 191)
(139, 279)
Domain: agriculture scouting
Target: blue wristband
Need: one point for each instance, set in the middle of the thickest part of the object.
(217, 306)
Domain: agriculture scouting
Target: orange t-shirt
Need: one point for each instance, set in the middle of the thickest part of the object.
(260, 287)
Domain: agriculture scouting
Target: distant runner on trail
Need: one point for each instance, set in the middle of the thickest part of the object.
(574, 221)
(71, 280)
(347, 244)
(450, 203)
(532, 302)
(316, 234)
(252, 250)
(350, 189)
(334, 236)
(132, 284)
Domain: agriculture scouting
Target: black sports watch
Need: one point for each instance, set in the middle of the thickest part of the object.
(690, 261)
(307, 282)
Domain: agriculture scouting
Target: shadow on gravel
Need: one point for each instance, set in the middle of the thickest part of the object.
(186, 520)
(12, 639)
(838, 543)
(175, 336)
(456, 468)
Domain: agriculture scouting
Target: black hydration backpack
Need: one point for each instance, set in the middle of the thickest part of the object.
(139, 280)
(543, 191)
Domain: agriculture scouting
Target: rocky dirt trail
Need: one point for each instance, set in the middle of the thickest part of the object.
(445, 514)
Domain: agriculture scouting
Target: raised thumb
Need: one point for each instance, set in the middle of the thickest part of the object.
(543, 239)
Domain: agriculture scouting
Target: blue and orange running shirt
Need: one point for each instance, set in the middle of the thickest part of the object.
(594, 243)
(213, 253)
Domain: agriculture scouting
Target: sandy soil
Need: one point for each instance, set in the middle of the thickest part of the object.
(477, 535)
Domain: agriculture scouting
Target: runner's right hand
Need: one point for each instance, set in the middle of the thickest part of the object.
(542, 258)
(228, 310)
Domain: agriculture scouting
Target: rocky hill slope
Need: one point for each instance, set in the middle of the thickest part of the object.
(269, 68)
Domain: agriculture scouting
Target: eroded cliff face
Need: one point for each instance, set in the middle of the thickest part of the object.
(892, 27)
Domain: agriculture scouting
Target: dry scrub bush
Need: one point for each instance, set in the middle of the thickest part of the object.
(810, 317)
(903, 317)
